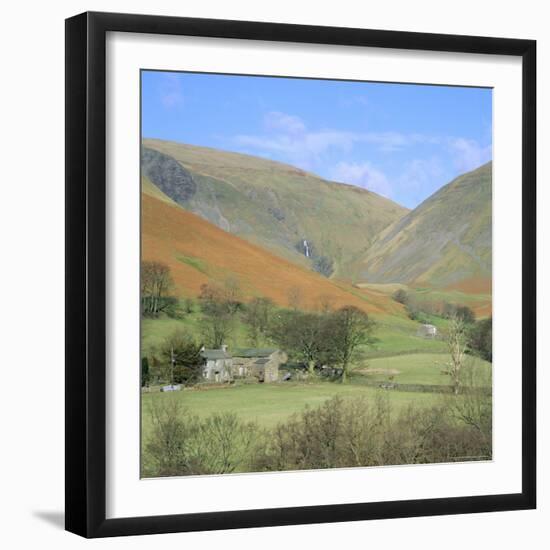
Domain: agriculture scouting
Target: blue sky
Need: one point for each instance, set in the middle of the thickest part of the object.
(402, 141)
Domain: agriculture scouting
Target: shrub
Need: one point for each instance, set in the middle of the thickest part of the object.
(357, 432)
(323, 265)
(400, 296)
(180, 358)
(183, 444)
(145, 374)
(463, 313)
(480, 339)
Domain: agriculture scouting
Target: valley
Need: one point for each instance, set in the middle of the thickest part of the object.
(239, 237)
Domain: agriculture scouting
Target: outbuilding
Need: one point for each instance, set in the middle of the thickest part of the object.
(427, 331)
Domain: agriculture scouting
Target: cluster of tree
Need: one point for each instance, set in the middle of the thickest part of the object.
(358, 432)
(420, 310)
(257, 317)
(158, 292)
(219, 305)
(338, 433)
(222, 305)
(401, 296)
(157, 288)
(323, 265)
(480, 339)
(316, 338)
(177, 360)
(326, 337)
(464, 339)
(145, 372)
(452, 311)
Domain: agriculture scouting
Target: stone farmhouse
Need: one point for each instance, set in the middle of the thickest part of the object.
(220, 365)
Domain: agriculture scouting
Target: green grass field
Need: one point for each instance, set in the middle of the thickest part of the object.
(419, 368)
(399, 356)
(438, 295)
(269, 404)
(399, 353)
(154, 331)
(396, 335)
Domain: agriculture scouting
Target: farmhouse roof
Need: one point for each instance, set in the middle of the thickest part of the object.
(254, 352)
(215, 354)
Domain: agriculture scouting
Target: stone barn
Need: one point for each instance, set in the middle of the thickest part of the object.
(427, 331)
(262, 364)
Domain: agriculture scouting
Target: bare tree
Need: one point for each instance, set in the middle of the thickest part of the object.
(473, 406)
(257, 317)
(217, 328)
(325, 303)
(294, 298)
(219, 306)
(456, 343)
(233, 293)
(156, 285)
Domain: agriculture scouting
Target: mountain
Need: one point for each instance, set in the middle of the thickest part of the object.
(318, 224)
(445, 241)
(199, 252)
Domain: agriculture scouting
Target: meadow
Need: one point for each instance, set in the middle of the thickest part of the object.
(407, 370)
(270, 404)
(267, 406)
(245, 252)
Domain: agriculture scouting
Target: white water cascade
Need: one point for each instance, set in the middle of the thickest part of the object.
(306, 249)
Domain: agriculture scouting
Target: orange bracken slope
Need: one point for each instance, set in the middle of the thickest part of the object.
(198, 252)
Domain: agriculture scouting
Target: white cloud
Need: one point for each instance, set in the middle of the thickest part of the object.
(171, 91)
(469, 154)
(283, 122)
(288, 135)
(363, 175)
(298, 146)
(288, 138)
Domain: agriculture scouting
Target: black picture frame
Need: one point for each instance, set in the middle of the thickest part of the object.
(86, 274)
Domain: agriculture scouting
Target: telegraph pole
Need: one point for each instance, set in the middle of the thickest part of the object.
(172, 361)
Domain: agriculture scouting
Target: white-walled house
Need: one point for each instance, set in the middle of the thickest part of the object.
(427, 331)
(218, 364)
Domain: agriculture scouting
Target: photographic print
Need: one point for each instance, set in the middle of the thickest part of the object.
(316, 274)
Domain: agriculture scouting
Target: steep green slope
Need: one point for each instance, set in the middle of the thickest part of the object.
(444, 240)
(271, 204)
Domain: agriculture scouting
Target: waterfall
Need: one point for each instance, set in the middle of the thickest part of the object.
(306, 248)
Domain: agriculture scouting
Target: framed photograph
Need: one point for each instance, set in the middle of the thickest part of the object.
(300, 274)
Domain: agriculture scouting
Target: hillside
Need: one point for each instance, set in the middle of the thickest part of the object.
(445, 241)
(198, 252)
(315, 223)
